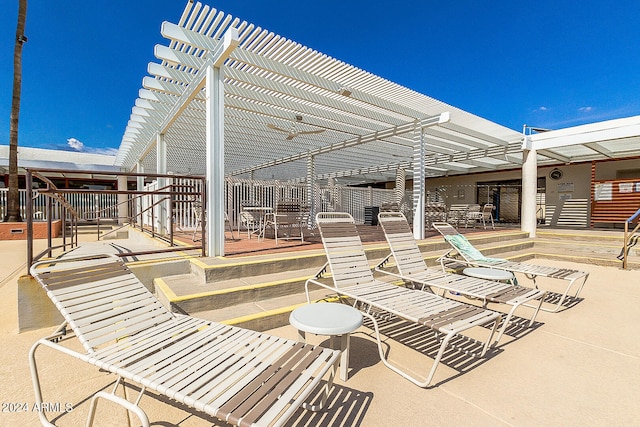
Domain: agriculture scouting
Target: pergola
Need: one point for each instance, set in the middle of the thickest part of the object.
(228, 98)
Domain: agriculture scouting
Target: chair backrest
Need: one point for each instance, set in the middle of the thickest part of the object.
(487, 210)
(247, 218)
(100, 298)
(458, 208)
(344, 250)
(289, 212)
(459, 242)
(390, 207)
(403, 246)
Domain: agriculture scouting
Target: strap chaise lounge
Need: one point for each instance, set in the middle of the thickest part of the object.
(463, 253)
(243, 377)
(352, 277)
(413, 269)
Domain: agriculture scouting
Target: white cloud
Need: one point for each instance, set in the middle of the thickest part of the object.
(585, 109)
(75, 144)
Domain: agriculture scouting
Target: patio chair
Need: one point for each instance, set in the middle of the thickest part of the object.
(199, 213)
(412, 268)
(485, 214)
(287, 215)
(434, 212)
(251, 222)
(463, 253)
(240, 376)
(353, 278)
(473, 215)
(457, 213)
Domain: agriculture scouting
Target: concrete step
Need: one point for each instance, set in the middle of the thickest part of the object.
(187, 293)
(602, 236)
(265, 314)
(237, 280)
(259, 292)
(212, 269)
(108, 230)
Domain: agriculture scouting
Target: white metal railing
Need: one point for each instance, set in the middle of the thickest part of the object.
(88, 205)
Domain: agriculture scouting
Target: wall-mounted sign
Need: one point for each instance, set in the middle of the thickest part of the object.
(625, 187)
(564, 187)
(603, 191)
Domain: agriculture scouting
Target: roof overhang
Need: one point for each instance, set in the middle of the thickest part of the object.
(609, 139)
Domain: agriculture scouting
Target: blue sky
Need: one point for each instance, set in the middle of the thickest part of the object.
(546, 63)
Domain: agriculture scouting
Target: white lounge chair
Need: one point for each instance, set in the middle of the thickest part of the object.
(412, 268)
(465, 254)
(352, 277)
(240, 376)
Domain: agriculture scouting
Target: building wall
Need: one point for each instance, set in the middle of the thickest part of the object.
(575, 183)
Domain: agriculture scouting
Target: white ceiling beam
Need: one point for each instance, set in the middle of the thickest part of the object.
(599, 149)
(553, 155)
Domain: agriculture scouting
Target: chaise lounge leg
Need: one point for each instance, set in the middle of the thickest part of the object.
(325, 392)
(36, 382)
(119, 401)
(420, 383)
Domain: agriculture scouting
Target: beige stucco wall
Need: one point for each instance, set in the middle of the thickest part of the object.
(575, 181)
(608, 170)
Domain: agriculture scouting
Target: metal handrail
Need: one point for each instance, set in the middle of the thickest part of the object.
(628, 237)
(51, 192)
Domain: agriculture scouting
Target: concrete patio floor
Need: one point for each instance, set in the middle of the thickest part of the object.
(578, 367)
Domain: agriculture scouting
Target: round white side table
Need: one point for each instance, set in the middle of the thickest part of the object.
(489, 274)
(330, 319)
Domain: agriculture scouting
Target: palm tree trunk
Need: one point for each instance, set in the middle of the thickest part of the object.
(13, 197)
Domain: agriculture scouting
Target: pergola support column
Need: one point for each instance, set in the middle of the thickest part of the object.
(311, 187)
(123, 206)
(529, 191)
(139, 187)
(215, 161)
(418, 183)
(214, 88)
(401, 177)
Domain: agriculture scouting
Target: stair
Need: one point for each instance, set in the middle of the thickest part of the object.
(105, 231)
(259, 292)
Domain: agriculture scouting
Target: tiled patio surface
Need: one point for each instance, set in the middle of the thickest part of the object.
(579, 367)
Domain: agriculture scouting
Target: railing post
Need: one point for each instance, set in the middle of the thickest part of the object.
(153, 218)
(29, 215)
(203, 222)
(625, 248)
(171, 212)
(49, 227)
(63, 220)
